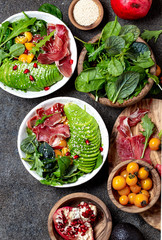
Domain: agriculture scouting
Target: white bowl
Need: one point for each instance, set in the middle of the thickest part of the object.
(49, 19)
(46, 104)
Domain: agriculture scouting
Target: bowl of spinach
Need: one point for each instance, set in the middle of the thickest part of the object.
(117, 67)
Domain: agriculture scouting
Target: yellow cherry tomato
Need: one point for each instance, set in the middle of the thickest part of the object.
(124, 173)
(30, 58)
(143, 172)
(145, 193)
(118, 183)
(154, 144)
(124, 191)
(65, 150)
(131, 198)
(131, 179)
(21, 39)
(146, 184)
(29, 46)
(57, 153)
(29, 36)
(141, 200)
(123, 200)
(135, 188)
(132, 167)
(23, 57)
(158, 70)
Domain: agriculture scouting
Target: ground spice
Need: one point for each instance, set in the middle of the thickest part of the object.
(85, 12)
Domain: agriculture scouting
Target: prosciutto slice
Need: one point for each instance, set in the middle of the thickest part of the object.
(130, 147)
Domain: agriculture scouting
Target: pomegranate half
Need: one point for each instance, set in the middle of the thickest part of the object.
(131, 9)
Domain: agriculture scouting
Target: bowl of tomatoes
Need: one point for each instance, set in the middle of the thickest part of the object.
(134, 186)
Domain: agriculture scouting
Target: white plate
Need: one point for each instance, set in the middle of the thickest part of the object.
(49, 19)
(48, 103)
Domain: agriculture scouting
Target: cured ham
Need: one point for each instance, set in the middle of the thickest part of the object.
(130, 147)
(57, 49)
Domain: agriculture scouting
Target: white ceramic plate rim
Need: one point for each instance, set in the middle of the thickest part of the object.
(73, 48)
(46, 104)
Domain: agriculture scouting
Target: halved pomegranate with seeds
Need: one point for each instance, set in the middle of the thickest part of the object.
(75, 223)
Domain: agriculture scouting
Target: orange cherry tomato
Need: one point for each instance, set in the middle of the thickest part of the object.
(23, 57)
(62, 143)
(124, 191)
(131, 179)
(135, 188)
(158, 70)
(57, 153)
(131, 198)
(146, 184)
(141, 200)
(145, 193)
(143, 172)
(132, 167)
(123, 200)
(154, 144)
(29, 46)
(118, 182)
(30, 57)
(124, 173)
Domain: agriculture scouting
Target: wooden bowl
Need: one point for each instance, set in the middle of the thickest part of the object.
(129, 102)
(154, 192)
(103, 224)
(95, 24)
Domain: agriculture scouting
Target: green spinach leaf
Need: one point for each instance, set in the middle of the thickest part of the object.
(114, 45)
(3, 55)
(111, 29)
(63, 163)
(126, 29)
(37, 165)
(17, 49)
(29, 144)
(49, 8)
(115, 67)
(46, 151)
(144, 60)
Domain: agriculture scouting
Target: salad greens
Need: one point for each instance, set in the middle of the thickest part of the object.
(116, 66)
(148, 35)
(52, 9)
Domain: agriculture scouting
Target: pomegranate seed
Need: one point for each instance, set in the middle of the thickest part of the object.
(83, 234)
(76, 156)
(31, 78)
(79, 229)
(68, 154)
(15, 67)
(101, 149)
(46, 88)
(26, 51)
(71, 61)
(26, 71)
(15, 58)
(87, 142)
(35, 65)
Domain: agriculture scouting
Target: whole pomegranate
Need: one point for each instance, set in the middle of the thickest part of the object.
(131, 9)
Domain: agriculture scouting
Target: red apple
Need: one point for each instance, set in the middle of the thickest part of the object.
(131, 9)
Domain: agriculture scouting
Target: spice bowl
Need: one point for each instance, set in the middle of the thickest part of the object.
(91, 25)
(103, 224)
(154, 191)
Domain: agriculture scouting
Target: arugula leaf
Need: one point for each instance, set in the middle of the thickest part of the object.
(3, 30)
(52, 9)
(19, 28)
(40, 121)
(37, 165)
(114, 45)
(29, 144)
(93, 55)
(89, 47)
(148, 35)
(148, 127)
(111, 29)
(41, 43)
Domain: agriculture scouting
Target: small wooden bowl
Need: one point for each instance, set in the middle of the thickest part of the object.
(103, 224)
(129, 102)
(154, 192)
(95, 24)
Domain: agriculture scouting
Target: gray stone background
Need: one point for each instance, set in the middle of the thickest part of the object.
(25, 203)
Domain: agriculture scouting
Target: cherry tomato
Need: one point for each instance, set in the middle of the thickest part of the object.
(145, 193)
(131, 179)
(131, 198)
(154, 144)
(146, 184)
(123, 200)
(118, 182)
(143, 172)
(124, 191)
(158, 70)
(135, 188)
(132, 167)
(141, 200)
(124, 173)
(58, 153)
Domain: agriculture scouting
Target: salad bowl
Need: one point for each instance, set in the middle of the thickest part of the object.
(73, 49)
(22, 134)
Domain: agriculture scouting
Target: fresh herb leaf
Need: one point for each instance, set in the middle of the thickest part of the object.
(111, 29)
(49, 8)
(148, 35)
(17, 49)
(40, 121)
(29, 144)
(41, 43)
(148, 127)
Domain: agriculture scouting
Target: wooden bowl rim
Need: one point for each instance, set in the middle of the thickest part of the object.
(126, 103)
(91, 198)
(133, 209)
(93, 25)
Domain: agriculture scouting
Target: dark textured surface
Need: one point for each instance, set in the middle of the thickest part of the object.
(25, 203)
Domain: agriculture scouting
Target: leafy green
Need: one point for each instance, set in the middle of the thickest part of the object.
(144, 60)
(148, 127)
(115, 67)
(93, 55)
(40, 121)
(41, 43)
(3, 30)
(49, 8)
(17, 49)
(127, 29)
(136, 49)
(46, 151)
(63, 163)
(3, 55)
(99, 161)
(148, 35)
(29, 144)
(111, 29)
(37, 165)
(114, 45)
(39, 27)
